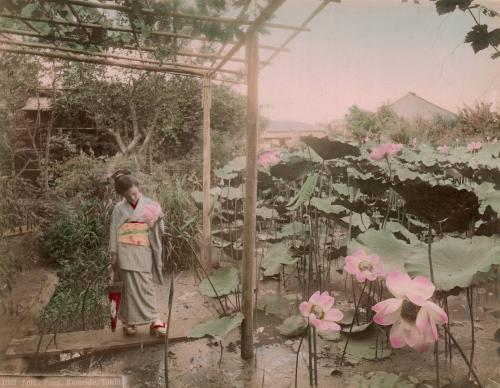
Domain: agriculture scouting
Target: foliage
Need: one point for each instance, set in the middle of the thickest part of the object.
(77, 241)
(143, 23)
(217, 328)
(18, 79)
(222, 282)
(457, 262)
(479, 37)
(18, 207)
(139, 110)
(479, 120)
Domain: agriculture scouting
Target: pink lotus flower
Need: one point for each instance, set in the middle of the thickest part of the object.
(412, 316)
(151, 213)
(363, 266)
(320, 312)
(269, 158)
(474, 146)
(384, 151)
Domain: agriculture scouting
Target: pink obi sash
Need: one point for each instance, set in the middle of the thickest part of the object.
(134, 233)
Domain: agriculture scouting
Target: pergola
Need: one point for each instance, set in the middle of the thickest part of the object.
(90, 47)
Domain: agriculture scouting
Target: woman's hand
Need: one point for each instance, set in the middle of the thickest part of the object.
(114, 274)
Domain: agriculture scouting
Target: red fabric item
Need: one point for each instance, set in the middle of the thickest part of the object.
(114, 300)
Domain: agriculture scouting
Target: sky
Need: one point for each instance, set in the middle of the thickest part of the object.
(369, 52)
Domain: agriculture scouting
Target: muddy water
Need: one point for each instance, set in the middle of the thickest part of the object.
(204, 363)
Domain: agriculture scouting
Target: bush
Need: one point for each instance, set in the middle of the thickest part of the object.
(77, 242)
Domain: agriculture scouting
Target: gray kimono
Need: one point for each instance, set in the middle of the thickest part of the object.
(137, 258)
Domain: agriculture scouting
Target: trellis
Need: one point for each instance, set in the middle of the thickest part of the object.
(59, 45)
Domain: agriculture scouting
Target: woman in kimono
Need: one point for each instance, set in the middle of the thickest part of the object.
(135, 247)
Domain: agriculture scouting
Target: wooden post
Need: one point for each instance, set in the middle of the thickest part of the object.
(206, 241)
(249, 262)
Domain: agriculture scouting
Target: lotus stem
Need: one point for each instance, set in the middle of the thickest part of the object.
(431, 270)
(170, 303)
(476, 378)
(470, 298)
(309, 344)
(315, 357)
(356, 308)
(297, 360)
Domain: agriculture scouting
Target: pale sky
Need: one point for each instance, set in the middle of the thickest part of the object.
(369, 52)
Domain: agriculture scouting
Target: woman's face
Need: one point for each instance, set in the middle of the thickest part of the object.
(132, 195)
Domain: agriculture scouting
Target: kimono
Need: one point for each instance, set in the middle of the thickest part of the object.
(135, 236)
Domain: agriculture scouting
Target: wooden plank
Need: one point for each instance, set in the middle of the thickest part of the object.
(249, 263)
(206, 243)
(93, 340)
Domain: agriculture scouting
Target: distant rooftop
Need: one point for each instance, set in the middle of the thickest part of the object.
(291, 126)
(37, 103)
(411, 107)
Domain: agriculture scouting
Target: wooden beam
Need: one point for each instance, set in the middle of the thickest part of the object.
(173, 69)
(151, 11)
(206, 241)
(181, 53)
(107, 55)
(265, 14)
(248, 267)
(292, 36)
(129, 30)
(93, 341)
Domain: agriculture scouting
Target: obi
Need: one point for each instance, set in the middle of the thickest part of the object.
(134, 233)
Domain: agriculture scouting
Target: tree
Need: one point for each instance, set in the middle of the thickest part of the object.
(359, 122)
(18, 80)
(139, 109)
(479, 120)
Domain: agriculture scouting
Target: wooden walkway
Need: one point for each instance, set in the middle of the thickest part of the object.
(93, 340)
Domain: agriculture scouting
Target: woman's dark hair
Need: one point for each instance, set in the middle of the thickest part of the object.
(123, 181)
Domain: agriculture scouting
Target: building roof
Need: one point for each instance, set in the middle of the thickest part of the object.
(37, 103)
(291, 126)
(411, 107)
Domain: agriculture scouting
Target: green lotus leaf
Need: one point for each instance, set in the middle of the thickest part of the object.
(293, 229)
(276, 304)
(217, 328)
(341, 189)
(265, 213)
(276, 256)
(329, 148)
(391, 250)
(232, 193)
(305, 192)
(456, 262)
(364, 345)
(381, 379)
(292, 326)
(396, 227)
(324, 205)
(225, 281)
(362, 221)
